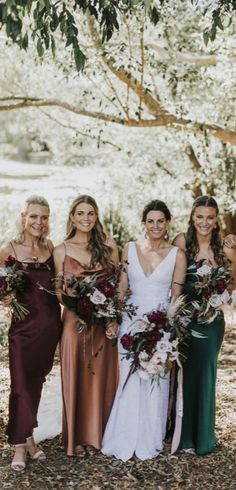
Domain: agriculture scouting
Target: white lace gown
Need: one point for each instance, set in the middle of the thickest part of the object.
(137, 423)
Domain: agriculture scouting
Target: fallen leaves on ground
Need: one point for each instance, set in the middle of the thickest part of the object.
(215, 471)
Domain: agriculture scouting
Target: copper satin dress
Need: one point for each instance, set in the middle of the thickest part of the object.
(89, 364)
(32, 344)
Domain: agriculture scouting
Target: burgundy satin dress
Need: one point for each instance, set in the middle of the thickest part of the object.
(89, 363)
(32, 344)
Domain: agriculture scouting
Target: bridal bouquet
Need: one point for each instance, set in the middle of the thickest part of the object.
(94, 300)
(211, 288)
(152, 344)
(12, 280)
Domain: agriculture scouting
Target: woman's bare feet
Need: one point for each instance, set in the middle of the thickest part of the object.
(19, 459)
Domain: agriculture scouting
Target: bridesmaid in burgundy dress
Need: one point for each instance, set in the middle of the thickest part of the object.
(33, 340)
(89, 381)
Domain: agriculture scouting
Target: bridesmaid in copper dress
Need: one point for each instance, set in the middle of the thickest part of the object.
(33, 340)
(89, 360)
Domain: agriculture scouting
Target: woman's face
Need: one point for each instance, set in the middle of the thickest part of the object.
(35, 220)
(156, 224)
(204, 220)
(84, 217)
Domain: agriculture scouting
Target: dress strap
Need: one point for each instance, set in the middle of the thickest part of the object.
(13, 250)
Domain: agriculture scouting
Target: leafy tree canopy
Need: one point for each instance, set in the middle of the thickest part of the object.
(41, 20)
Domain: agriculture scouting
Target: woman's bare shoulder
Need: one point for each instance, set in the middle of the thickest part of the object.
(180, 241)
(5, 250)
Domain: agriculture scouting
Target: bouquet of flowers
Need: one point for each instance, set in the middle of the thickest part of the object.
(12, 280)
(152, 344)
(211, 288)
(93, 299)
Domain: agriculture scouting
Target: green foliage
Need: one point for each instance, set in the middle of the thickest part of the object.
(47, 17)
(115, 225)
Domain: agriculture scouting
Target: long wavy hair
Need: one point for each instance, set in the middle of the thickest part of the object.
(41, 201)
(192, 245)
(97, 245)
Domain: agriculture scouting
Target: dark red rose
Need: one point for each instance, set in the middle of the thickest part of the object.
(157, 317)
(127, 341)
(154, 336)
(10, 261)
(220, 286)
(85, 307)
(206, 293)
(106, 288)
(2, 281)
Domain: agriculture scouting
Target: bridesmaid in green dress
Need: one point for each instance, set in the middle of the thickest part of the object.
(202, 243)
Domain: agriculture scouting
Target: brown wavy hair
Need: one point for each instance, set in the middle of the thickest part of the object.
(97, 245)
(192, 245)
(41, 201)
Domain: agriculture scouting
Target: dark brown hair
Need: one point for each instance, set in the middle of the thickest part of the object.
(192, 245)
(156, 205)
(97, 246)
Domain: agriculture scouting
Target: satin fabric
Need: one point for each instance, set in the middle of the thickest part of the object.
(89, 367)
(32, 344)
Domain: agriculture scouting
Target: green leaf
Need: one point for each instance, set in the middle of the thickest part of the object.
(206, 37)
(53, 46)
(25, 41)
(40, 48)
(80, 58)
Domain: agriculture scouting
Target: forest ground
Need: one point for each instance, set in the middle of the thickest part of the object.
(187, 472)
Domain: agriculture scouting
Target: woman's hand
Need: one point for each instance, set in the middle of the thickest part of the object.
(230, 241)
(112, 330)
(8, 299)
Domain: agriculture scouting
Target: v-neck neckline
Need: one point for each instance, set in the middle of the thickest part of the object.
(155, 268)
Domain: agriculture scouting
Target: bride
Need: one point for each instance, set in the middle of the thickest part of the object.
(153, 269)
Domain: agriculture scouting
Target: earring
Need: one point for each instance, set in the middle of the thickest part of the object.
(166, 237)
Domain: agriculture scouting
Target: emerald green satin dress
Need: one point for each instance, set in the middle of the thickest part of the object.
(199, 382)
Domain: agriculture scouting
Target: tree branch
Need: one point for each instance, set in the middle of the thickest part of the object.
(178, 124)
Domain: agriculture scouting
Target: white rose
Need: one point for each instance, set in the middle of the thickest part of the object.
(97, 297)
(143, 359)
(3, 271)
(159, 357)
(225, 296)
(215, 300)
(140, 326)
(164, 345)
(204, 270)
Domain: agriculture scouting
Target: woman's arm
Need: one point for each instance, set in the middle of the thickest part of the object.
(5, 251)
(230, 241)
(58, 257)
(179, 274)
(112, 328)
(230, 253)
(114, 254)
(124, 282)
(180, 241)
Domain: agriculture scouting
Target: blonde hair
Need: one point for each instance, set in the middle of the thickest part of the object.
(100, 251)
(41, 201)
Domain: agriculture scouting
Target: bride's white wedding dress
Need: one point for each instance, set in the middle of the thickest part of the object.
(137, 423)
(50, 408)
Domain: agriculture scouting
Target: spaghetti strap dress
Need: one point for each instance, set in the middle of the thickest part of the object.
(32, 344)
(137, 424)
(199, 378)
(89, 368)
